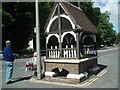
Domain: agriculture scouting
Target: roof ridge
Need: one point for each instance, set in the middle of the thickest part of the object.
(74, 6)
(83, 18)
(68, 13)
(77, 15)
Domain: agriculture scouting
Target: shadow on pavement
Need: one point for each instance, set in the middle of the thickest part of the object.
(102, 48)
(101, 67)
(21, 79)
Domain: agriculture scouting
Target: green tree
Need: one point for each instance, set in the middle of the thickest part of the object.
(106, 34)
(44, 10)
(18, 23)
(118, 37)
(18, 19)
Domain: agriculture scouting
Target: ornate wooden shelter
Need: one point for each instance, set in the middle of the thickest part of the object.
(70, 43)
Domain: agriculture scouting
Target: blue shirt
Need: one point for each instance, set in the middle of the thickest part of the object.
(8, 54)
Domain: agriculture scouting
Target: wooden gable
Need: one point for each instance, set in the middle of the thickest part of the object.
(76, 15)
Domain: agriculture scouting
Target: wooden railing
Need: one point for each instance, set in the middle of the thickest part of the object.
(66, 52)
(89, 50)
(53, 53)
(69, 52)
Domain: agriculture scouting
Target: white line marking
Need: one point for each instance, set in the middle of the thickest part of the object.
(72, 85)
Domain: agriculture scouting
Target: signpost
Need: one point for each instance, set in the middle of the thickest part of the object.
(39, 69)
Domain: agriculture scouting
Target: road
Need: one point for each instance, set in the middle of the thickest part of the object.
(107, 57)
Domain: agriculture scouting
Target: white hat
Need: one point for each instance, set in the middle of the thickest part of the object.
(7, 41)
(35, 54)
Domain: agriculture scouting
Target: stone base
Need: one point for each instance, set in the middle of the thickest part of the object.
(71, 78)
(74, 70)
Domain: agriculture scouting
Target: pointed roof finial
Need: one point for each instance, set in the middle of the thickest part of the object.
(78, 4)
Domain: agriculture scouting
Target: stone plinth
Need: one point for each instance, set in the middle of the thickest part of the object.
(76, 69)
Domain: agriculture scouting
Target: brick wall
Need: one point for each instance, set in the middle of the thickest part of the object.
(72, 68)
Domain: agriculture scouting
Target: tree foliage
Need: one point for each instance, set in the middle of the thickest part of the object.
(18, 22)
(118, 37)
(107, 35)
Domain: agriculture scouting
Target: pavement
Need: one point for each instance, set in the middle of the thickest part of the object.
(83, 84)
(107, 78)
(110, 48)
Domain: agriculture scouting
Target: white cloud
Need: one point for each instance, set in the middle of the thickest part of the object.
(110, 6)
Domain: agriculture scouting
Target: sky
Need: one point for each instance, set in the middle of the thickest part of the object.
(112, 7)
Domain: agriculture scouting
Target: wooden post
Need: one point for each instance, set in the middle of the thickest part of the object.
(51, 52)
(95, 48)
(47, 52)
(56, 54)
(59, 26)
(72, 51)
(78, 45)
(66, 51)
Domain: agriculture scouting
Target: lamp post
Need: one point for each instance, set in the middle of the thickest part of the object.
(39, 69)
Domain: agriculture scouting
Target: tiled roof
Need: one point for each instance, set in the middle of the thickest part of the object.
(78, 17)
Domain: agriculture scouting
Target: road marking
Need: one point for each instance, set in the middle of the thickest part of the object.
(72, 85)
(101, 73)
(93, 80)
(55, 83)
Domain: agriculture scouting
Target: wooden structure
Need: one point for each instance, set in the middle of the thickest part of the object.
(70, 37)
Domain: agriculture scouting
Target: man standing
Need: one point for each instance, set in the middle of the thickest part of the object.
(9, 58)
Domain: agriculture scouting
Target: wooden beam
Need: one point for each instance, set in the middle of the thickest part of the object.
(59, 26)
(67, 30)
(46, 51)
(95, 47)
(78, 45)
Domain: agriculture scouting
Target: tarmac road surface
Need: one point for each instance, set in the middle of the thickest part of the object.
(109, 79)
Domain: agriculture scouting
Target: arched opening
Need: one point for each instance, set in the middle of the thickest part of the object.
(53, 41)
(88, 40)
(68, 40)
(88, 44)
(65, 24)
(69, 46)
(53, 47)
(60, 72)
